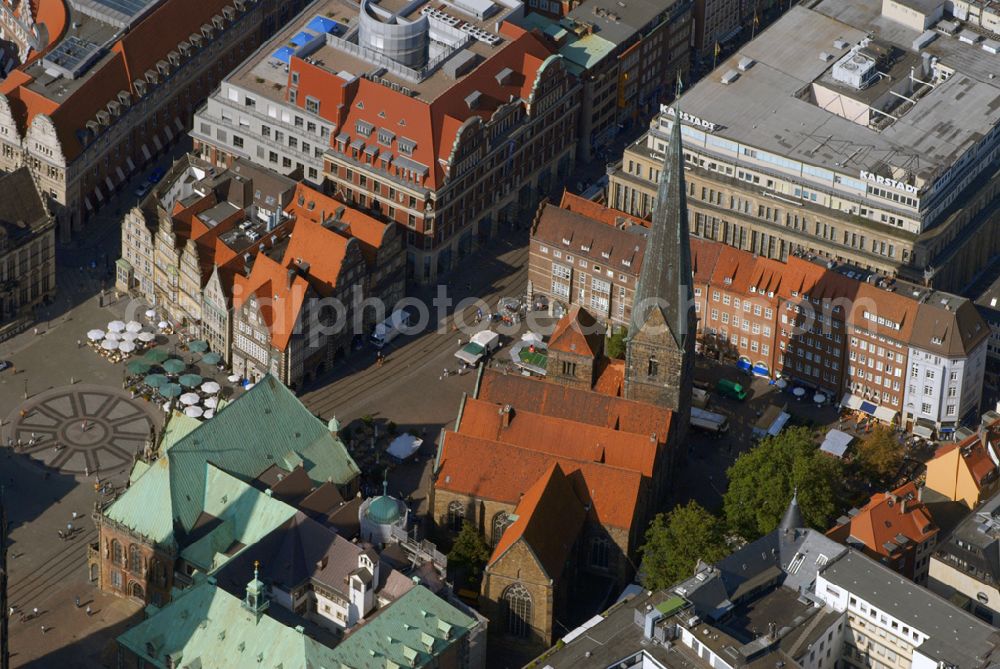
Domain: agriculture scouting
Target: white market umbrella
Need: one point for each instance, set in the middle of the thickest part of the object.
(150, 313)
(109, 345)
(208, 414)
(95, 335)
(126, 346)
(146, 336)
(193, 411)
(113, 336)
(531, 336)
(210, 387)
(799, 392)
(162, 325)
(129, 336)
(233, 378)
(116, 326)
(190, 398)
(133, 326)
(819, 398)
(249, 386)
(211, 402)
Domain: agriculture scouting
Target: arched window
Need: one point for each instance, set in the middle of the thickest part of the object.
(456, 515)
(501, 522)
(653, 367)
(134, 559)
(517, 610)
(600, 552)
(117, 554)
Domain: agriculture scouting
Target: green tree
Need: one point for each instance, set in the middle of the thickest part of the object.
(677, 540)
(469, 549)
(761, 482)
(880, 455)
(614, 345)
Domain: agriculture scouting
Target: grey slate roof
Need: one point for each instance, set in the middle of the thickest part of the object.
(956, 638)
(666, 278)
(21, 206)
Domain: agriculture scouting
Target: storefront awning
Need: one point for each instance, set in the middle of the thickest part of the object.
(923, 431)
(885, 414)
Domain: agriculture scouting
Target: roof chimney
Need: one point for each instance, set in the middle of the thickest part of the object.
(291, 276)
(506, 414)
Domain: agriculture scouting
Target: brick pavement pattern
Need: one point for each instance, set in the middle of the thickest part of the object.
(80, 429)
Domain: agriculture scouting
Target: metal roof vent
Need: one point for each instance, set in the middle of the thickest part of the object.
(730, 76)
(840, 44)
(473, 99)
(746, 63)
(825, 57)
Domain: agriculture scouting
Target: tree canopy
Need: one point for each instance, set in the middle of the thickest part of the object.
(677, 540)
(880, 455)
(762, 480)
(469, 549)
(614, 346)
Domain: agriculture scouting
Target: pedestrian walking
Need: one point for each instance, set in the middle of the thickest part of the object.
(44, 630)
(34, 612)
(36, 330)
(77, 600)
(89, 611)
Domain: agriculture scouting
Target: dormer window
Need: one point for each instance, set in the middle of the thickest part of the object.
(565, 241)
(364, 128)
(626, 262)
(605, 254)
(406, 146)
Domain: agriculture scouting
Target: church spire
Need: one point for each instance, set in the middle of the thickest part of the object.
(792, 520)
(665, 279)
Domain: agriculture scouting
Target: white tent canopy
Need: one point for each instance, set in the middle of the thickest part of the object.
(193, 412)
(146, 336)
(116, 326)
(109, 345)
(133, 326)
(126, 347)
(95, 335)
(210, 387)
(190, 398)
(836, 443)
(404, 446)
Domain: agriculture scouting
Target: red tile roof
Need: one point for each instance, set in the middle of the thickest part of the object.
(279, 301)
(610, 377)
(432, 125)
(559, 436)
(318, 207)
(501, 472)
(578, 333)
(887, 516)
(583, 406)
(597, 211)
(136, 51)
(549, 518)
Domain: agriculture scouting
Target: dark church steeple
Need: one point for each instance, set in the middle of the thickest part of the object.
(665, 279)
(659, 354)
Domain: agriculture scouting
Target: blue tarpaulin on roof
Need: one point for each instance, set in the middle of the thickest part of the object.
(321, 24)
(868, 408)
(284, 54)
(302, 38)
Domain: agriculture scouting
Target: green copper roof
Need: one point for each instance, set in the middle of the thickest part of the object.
(266, 426)
(383, 510)
(207, 627)
(246, 515)
(408, 633)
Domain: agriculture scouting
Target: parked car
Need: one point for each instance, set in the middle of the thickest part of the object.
(731, 389)
(143, 189)
(156, 175)
(5, 364)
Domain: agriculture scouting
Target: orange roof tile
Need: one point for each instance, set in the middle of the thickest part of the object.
(610, 377)
(597, 211)
(279, 300)
(549, 518)
(577, 332)
(584, 406)
(318, 207)
(887, 516)
(501, 472)
(559, 436)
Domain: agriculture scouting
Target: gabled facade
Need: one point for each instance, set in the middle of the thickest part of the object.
(121, 94)
(451, 150)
